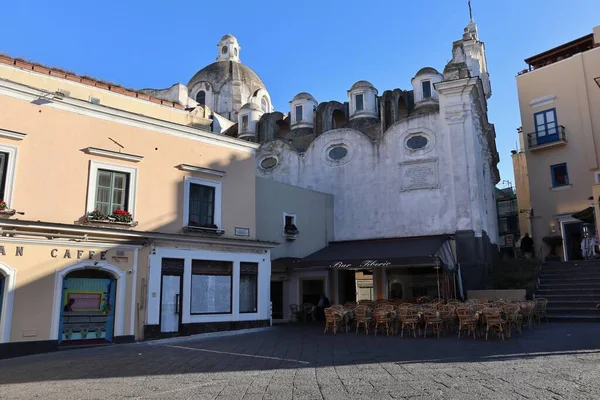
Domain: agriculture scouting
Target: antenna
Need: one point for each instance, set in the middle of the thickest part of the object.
(470, 11)
(117, 143)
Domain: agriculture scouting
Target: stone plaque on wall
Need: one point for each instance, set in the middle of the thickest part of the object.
(419, 174)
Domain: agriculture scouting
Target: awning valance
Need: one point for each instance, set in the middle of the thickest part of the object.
(426, 251)
(586, 215)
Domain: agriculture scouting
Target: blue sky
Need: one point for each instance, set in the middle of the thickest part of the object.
(321, 47)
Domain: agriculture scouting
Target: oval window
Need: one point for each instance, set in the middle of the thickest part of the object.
(338, 152)
(268, 163)
(224, 50)
(416, 142)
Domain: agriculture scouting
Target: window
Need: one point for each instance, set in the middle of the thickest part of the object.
(264, 104)
(244, 123)
(248, 287)
(111, 186)
(417, 142)
(201, 97)
(235, 51)
(359, 102)
(211, 287)
(426, 85)
(546, 128)
(3, 174)
(338, 153)
(560, 175)
(269, 163)
(202, 203)
(111, 191)
(298, 113)
(224, 50)
(507, 207)
(289, 224)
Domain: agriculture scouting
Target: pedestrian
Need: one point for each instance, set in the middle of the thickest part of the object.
(321, 306)
(527, 246)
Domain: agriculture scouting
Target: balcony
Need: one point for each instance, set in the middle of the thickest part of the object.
(558, 138)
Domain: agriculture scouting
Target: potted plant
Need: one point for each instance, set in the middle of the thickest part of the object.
(554, 242)
(2, 205)
(122, 216)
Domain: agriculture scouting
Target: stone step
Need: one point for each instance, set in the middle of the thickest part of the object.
(568, 285)
(555, 298)
(573, 318)
(576, 274)
(576, 291)
(575, 304)
(573, 310)
(563, 280)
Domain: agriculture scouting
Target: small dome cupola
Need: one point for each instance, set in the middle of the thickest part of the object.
(423, 85)
(302, 109)
(362, 97)
(248, 116)
(229, 49)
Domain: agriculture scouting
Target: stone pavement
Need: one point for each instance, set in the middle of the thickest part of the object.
(552, 361)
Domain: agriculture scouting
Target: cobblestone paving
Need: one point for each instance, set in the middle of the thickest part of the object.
(552, 361)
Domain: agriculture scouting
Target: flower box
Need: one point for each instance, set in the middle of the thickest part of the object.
(7, 213)
(118, 217)
(206, 229)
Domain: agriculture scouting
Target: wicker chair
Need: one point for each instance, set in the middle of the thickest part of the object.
(466, 319)
(448, 315)
(527, 312)
(333, 320)
(295, 312)
(382, 319)
(540, 309)
(494, 321)
(432, 318)
(408, 319)
(362, 317)
(513, 318)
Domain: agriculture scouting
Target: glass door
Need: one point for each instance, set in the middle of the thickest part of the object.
(170, 308)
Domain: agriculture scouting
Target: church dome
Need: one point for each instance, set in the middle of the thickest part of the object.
(221, 72)
(303, 96)
(362, 84)
(427, 70)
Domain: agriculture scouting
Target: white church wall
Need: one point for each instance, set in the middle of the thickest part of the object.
(380, 190)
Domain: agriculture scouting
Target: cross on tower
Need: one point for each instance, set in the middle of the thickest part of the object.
(470, 11)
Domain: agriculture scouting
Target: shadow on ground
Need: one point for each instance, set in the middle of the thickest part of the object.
(294, 347)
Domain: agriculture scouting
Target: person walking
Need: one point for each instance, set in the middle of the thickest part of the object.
(527, 246)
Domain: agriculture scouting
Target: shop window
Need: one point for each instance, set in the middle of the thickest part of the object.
(211, 287)
(359, 102)
(111, 191)
(111, 187)
(248, 287)
(202, 204)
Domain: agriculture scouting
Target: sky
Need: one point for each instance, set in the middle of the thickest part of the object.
(321, 47)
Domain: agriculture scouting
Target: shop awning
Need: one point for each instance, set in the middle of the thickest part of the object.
(586, 215)
(425, 251)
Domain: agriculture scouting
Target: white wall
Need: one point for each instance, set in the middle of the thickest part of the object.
(154, 284)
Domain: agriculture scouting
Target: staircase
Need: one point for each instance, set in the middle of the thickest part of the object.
(572, 289)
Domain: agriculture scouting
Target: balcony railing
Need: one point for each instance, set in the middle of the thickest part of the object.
(536, 141)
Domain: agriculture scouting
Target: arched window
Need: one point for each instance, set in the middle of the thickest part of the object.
(201, 97)
(264, 104)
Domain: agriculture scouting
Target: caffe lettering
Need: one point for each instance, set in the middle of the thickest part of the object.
(19, 251)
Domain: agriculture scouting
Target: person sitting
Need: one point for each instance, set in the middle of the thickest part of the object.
(69, 306)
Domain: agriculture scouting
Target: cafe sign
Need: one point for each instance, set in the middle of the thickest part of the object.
(362, 264)
(78, 254)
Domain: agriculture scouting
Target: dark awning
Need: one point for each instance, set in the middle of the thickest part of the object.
(366, 254)
(586, 215)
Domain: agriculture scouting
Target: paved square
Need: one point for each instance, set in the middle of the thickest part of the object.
(552, 361)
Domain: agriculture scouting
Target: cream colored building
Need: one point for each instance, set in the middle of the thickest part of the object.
(557, 169)
(178, 256)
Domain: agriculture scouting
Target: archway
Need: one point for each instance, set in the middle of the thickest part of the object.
(201, 97)
(89, 303)
(7, 289)
(338, 119)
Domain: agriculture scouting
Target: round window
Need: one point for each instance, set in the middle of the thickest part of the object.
(224, 50)
(338, 152)
(416, 142)
(268, 163)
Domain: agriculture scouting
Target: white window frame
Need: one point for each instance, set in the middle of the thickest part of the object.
(362, 94)
(93, 178)
(10, 173)
(296, 120)
(294, 219)
(186, 198)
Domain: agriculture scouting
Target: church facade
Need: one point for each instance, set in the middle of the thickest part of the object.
(404, 165)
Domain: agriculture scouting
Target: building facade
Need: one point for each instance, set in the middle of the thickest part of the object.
(557, 169)
(121, 217)
(412, 174)
(508, 220)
